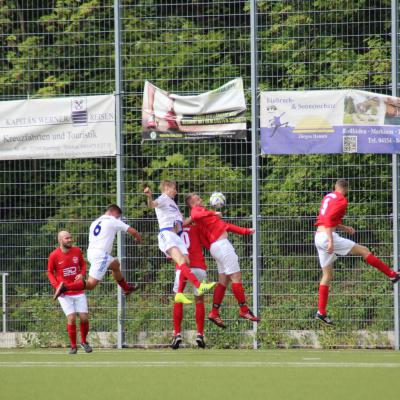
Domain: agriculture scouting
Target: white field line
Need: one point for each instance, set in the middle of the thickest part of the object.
(202, 364)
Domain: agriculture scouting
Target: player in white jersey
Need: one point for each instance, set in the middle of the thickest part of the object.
(171, 223)
(101, 238)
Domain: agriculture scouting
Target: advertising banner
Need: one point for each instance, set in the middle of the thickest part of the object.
(68, 127)
(329, 121)
(220, 112)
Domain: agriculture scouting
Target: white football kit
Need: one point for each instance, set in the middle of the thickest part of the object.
(169, 219)
(102, 233)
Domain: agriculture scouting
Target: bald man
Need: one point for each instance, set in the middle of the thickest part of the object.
(66, 264)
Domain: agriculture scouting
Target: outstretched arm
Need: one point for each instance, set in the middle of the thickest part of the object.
(239, 230)
(133, 232)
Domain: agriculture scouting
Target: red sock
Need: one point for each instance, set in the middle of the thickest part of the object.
(178, 316)
(124, 285)
(379, 264)
(76, 286)
(238, 291)
(84, 330)
(189, 275)
(323, 294)
(219, 293)
(200, 315)
(72, 334)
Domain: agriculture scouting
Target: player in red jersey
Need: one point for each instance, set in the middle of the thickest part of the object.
(214, 232)
(66, 264)
(329, 244)
(198, 267)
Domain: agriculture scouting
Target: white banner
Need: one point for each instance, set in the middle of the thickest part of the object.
(220, 112)
(68, 127)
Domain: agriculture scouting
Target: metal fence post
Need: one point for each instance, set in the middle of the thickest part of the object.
(4, 300)
(395, 169)
(254, 160)
(120, 163)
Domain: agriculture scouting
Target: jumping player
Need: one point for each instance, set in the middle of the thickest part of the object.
(191, 237)
(215, 233)
(170, 222)
(66, 264)
(102, 233)
(329, 244)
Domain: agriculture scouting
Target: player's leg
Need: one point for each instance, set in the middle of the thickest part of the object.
(116, 272)
(182, 260)
(218, 296)
(177, 313)
(240, 295)
(68, 307)
(200, 316)
(81, 307)
(323, 294)
(76, 286)
(375, 262)
(71, 329)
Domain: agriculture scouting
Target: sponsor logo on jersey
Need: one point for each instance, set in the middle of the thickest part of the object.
(69, 271)
(75, 260)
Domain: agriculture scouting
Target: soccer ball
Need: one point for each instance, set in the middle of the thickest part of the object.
(217, 199)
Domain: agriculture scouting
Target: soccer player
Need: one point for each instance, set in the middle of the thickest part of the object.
(191, 237)
(102, 233)
(170, 222)
(329, 244)
(215, 233)
(66, 264)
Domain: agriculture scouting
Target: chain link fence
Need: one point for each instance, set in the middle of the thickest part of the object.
(189, 48)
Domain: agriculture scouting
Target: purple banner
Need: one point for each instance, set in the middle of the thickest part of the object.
(322, 122)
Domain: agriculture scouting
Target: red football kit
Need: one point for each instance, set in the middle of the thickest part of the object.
(333, 208)
(64, 267)
(191, 237)
(211, 226)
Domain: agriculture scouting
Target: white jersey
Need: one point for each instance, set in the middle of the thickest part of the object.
(167, 212)
(102, 232)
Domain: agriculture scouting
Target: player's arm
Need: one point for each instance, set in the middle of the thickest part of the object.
(329, 232)
(50, 272)
(82, 267)
(187, 221)
(150, 202)
(133, 232)
(239, 230)
(347, 229)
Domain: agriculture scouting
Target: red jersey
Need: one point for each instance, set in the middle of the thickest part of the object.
(211, 226)
(191, 237)
(64, 267)
(333, 208)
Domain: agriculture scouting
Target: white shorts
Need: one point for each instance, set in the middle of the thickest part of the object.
(169, 239)
(73, 304)
(341, 246)
(225, 256)
(201, 275)
(99, 262)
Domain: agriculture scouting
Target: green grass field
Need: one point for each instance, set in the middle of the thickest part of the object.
(194, 374)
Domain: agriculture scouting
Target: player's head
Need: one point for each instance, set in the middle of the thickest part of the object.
(64, 239)
(113, 210)
(342, 186)
(168, 187)
(193, 199)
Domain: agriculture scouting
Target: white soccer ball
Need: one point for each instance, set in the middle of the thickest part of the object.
(217, 199)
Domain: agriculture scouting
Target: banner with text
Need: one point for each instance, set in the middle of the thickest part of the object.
(68, 127)
(329, 121)
(220, 112)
